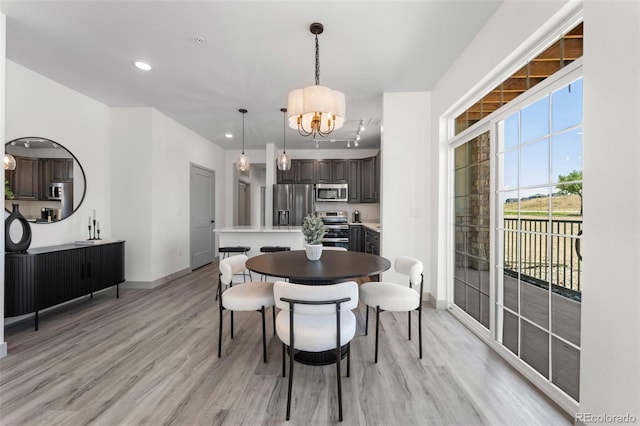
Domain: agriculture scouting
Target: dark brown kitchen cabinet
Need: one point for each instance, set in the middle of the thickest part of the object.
(331, 171)
(24, 179)
(47, 276)
(371, 241)
(353, 179)
(53, 170)
(370, 180)
(355, 238)
(302, 171)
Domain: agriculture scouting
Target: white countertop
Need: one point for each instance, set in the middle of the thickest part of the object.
(374, 226)
(249, 229)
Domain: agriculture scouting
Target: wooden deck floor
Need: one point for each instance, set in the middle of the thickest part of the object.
(150, 358)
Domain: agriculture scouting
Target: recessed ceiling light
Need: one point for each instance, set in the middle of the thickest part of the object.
(228, 135)
(144, 66)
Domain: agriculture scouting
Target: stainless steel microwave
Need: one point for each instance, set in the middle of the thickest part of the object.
(332, 192)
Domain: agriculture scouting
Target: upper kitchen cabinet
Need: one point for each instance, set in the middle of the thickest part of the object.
(24, 179)
(370, 180)
(353, 174)
(302, 171)
(53, 170)
(332, 171)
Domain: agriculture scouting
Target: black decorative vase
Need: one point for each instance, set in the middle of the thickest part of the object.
(9, 245)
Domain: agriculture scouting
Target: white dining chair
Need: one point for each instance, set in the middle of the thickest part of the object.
(316, 319)
(387, 296)
(329, 248)
(251, 296)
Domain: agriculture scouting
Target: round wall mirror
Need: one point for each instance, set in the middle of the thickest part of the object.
(47, 182)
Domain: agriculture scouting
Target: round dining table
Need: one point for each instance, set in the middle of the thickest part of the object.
(332, 267)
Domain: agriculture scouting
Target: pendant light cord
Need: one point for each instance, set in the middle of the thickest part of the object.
(243, 133)
(284, 130)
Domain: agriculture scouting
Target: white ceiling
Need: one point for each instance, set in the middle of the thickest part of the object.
(253, 54)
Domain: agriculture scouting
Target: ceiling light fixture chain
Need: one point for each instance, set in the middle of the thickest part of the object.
(317, 61)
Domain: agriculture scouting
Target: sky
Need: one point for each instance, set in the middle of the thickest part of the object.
(553, 125)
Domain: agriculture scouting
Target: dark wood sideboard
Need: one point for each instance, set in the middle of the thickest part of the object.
(47, 276)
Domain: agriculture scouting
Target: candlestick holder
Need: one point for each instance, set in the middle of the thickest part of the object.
(98, 234)
(90, 233)
(94, 230)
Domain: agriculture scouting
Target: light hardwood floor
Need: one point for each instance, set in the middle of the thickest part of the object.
(150, 358)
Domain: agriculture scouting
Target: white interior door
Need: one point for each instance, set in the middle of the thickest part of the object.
(202, 212)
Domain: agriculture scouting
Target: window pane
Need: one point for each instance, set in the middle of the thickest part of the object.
(565, 318)
(566, 106)
(511, 130)
(534, 164)
(535, 120)
(566, 368)
(510, 332)
(509, 162)
(566, 154)
(535, 347)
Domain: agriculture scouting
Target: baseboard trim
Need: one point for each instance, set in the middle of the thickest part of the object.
(3, 349)
(150, 285)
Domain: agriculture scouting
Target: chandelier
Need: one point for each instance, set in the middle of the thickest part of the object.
(242, 163)
(316, 110)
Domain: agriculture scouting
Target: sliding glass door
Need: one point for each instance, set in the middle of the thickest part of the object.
(538, 214)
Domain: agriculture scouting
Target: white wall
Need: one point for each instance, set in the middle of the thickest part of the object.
(38, 106)
(610, 361)
(151, 189)
(136, 157)
(405, 192)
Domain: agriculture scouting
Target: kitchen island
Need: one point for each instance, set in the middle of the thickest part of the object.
(256, 237)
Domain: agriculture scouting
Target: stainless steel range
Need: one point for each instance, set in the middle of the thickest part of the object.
(337, 234)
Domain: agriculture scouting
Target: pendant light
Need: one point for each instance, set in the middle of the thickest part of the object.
(9, 162)
(242, 163)
(284, 161)
(316, 110)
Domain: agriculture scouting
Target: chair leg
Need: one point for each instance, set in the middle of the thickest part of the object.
(274, 319)
(290, 380)
(420, 330)
(220, 333)
(339, 382)
(349, 359)
(366, 320)
(377, 329)
(264, 336)
(284, 374)
(232, 324)
(409, 323)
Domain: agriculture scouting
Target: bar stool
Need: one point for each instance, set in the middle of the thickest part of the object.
(236, 249)
(272, 249)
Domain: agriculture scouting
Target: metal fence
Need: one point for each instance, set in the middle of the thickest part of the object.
(549, 252)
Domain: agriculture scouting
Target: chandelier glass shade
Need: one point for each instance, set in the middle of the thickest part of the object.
(242, 163)
(316, 110)
(284, 161)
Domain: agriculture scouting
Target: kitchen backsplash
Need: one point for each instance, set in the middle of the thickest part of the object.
(368, 212)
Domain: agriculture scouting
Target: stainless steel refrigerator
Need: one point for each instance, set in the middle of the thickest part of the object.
(292, 202)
